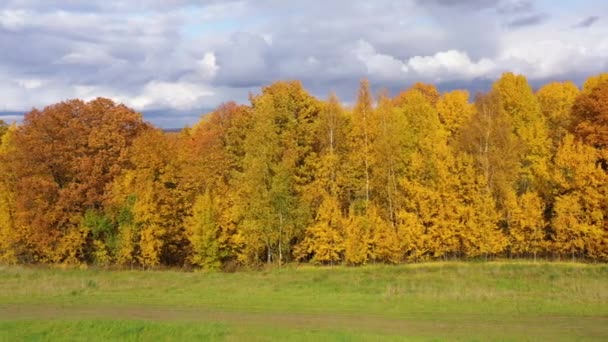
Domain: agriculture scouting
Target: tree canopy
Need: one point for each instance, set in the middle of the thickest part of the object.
(289, 177)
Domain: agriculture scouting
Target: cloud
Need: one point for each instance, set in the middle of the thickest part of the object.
(172, 59)
(377, 64)
(529, 20)
(587, 22)
(464, 4)
(208, 66)
(510, 7)
(178, 95)
(12, 20)
(244, 62)
(449, 66)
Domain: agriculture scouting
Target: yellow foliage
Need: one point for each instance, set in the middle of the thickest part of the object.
(386, 246)
(529, 127)
(101, 254)
(593, 81)
(556, 100)
(8, 236)
(70, 247)
(581, 203)
(455, 110)
(324, 240)
(150, 244)
(203, 230)
(527, 224)
(126, 245)
(413, 240)
(357, 243)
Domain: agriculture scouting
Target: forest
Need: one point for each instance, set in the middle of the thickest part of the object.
(423, 175)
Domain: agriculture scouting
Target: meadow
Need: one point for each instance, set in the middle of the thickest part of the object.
(452, 301)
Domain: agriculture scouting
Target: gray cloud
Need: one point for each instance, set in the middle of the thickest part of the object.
(515, 7)
(463, 4)
(172, 59)
(245, 62)
(587, 22)
(529, 20)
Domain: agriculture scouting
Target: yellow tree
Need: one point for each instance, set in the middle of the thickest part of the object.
(429, 91)
(556, 100)
(488, 139)
(425, 151)
(529, 128)
(8, 248)
(475, 210)
(358, 172)
(324, 240)
(150, 192)
(594, 81)
(277, 167)
(448, 205)
(204, 232)
(358, 236)
(361, 139)
(527, 225)
(578, 226)
(386, 158)
(211, 155)
(385, 245)
(455, 111)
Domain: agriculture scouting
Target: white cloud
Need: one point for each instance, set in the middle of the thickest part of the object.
(90, 55)
(178, 95)
(540, 54)
(449, 65)
(443, 66)
(30, 83)
(13, 20)
(378, 64)
(208, 66)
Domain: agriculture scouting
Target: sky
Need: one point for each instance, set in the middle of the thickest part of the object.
(174, 60)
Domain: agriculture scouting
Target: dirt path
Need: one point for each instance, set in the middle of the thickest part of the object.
(460, 325)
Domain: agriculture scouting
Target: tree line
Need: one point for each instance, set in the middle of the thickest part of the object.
(419, 176)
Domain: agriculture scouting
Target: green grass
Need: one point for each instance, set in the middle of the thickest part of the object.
(435, 301)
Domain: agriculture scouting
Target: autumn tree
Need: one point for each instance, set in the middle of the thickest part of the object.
(556, 100)
(529, 129)
(590, 120)
(64, 158)
(527, 224)
(420, 176)
(212, 155)
(203, 228)
(151, 189)
(276, 169)
(429, 91)
(361, 140)
(387, 157)
(578, 226)
(8, 249)
(594, 81)
(323, 239)
(495, 150)
(455, 111)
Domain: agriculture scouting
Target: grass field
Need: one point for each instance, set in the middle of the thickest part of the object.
(459, 301)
